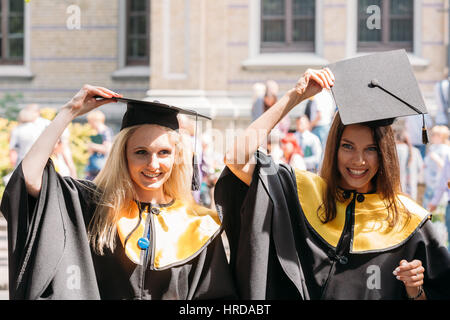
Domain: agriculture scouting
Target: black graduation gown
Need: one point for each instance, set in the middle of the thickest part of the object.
(276, 253)
(50, 257)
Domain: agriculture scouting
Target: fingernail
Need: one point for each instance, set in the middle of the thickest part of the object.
(395, 272)
(398, 277)
(404, 264)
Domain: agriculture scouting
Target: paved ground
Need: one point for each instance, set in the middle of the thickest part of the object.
(3, 260)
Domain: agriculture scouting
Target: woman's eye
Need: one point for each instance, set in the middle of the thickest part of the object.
(141, 152)
(347, 146)
(165, 152)
(373, 149)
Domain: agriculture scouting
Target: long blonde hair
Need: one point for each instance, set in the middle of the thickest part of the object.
(116, 189)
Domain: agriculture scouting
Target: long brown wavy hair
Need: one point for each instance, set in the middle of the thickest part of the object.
(386, 180)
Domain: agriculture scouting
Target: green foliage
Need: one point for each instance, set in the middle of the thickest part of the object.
(5, 166)
(79, 139)
(9, 107)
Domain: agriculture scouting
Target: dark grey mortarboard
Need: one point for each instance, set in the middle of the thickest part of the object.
(377, 88)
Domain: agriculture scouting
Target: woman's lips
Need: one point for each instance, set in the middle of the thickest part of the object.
(357, 174)
(152, 175)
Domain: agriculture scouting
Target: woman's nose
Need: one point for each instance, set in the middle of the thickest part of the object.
(153, 162)
(359, 159)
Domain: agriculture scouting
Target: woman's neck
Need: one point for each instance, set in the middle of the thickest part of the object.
(156, 197)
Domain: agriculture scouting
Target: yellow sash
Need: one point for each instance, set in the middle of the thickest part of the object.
(178, 232)
(371, 231)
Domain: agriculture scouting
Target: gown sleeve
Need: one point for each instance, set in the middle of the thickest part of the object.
(48, 250)
(215, 281)
(436, 261)
(258, 220)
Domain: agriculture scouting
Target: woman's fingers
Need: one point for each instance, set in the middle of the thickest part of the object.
(317, 79)
(321, 79)
(321, 75)
(104, 101)
(411, 278)
(326, 80)
(114, 94)
(411, 273)
(329, 76)
(99, 91)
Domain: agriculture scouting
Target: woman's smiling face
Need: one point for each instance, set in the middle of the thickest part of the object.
(150, 156)
(358, 160)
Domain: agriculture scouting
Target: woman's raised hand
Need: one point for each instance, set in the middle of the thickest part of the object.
(85, 100)
(313, 81)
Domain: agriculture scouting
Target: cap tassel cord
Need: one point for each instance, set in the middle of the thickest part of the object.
(424, 131)
(195, 168)
(375, 83)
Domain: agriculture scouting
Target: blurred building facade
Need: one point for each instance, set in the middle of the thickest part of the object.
(205, 54)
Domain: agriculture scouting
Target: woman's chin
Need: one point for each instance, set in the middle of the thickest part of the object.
(153, 187)
(149, 186)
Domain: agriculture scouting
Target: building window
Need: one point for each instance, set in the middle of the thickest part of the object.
(287, 25)
(388, 25)
(11, 32)
(138, 33)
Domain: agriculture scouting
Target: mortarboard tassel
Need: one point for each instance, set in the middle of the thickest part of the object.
(195, 167)
(424, 131)
(195, 174)
(374, 83)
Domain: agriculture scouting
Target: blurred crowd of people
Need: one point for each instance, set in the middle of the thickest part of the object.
(30, 125)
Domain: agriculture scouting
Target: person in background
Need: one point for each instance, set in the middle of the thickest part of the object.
(443, 188)
(26, 133)
(62, 155)
(188, 127)
(441, 97)
(30, 126)
(413, 126)
(410, 162)
(271, 94)
(309, 143)
(258, 100)
(60, 162)
(292, 153)
(270, 98)
(274, 148)
(211, 166)
(321, 114)
(100, 144)
(438, 150)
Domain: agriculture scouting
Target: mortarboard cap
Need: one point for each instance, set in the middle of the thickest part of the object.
(145, 112)
(377, 88)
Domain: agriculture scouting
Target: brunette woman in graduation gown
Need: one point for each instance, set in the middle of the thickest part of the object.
(133, 233)
(298, 235)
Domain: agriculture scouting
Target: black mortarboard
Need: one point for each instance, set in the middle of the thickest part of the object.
(146, 112)
(377, 88)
